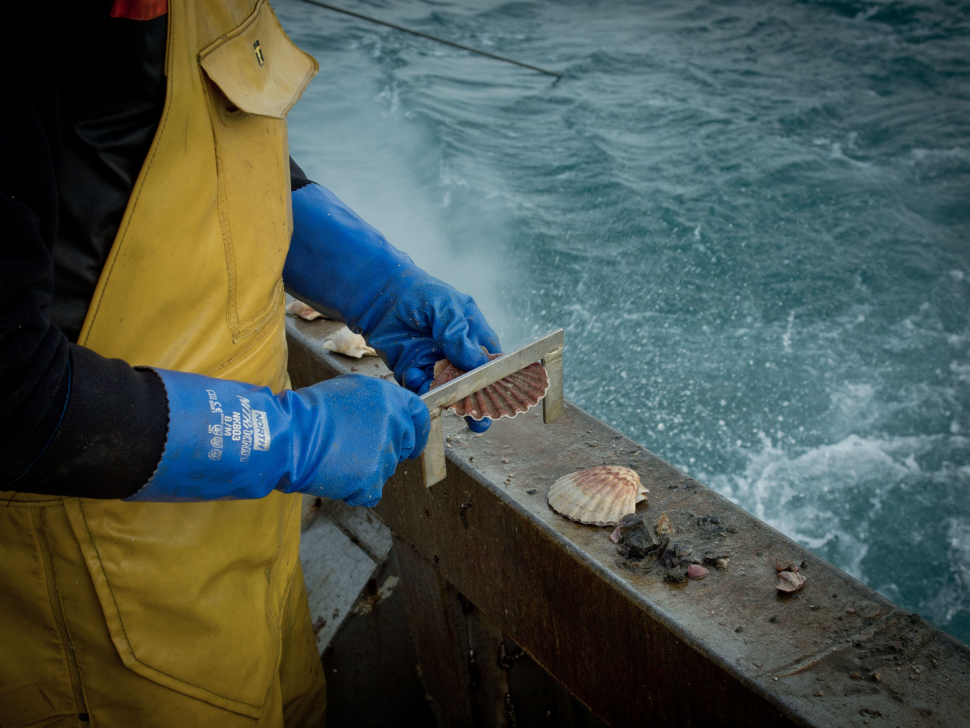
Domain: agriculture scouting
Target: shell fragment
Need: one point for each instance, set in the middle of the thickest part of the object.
(346, 342)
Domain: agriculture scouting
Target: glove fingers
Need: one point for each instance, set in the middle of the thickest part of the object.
(413, 378)
(362, 498)
(479, 330)
(451, 333)
(418, 380)
(426, 356)
(442, 327)
(419, 355)
(463, 352)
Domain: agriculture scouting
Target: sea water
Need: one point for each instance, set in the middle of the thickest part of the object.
(751, 218)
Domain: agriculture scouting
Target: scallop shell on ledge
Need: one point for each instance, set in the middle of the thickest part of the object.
(519, 392)
(599, 496)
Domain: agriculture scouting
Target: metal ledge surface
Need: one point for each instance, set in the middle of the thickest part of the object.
(728, 650)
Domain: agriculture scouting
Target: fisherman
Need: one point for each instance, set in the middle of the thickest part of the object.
(151, 454)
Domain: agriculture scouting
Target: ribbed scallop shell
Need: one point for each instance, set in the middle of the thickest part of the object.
(517, 393)
(599, 496)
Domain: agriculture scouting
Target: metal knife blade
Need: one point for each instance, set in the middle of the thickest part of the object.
(497, 369)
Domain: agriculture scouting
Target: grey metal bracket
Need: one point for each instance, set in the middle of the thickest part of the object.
(548, 350)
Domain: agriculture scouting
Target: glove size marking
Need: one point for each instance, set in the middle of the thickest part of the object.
(250, 428)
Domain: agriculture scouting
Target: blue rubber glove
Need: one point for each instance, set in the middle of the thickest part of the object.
(345, 269)
(341, 439)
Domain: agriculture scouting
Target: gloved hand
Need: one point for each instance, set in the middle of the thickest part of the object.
(345, 269)
(341, 439)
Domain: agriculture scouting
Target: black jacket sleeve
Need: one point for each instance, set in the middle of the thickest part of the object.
(71, 422)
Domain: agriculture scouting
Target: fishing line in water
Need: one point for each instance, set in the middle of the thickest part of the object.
(434, 38)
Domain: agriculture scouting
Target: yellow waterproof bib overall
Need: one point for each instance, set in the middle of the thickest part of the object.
(149, 614)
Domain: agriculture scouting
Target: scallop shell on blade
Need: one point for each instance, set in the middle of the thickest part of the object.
(599, 496)
(519, 392)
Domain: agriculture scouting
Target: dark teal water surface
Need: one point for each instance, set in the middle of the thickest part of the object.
(751, 218)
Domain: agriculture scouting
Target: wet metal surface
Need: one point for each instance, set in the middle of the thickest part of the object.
(726, 650)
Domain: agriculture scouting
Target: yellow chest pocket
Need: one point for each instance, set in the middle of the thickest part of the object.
(253, 77)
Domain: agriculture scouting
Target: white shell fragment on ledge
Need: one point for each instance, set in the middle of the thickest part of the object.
(598, 496)
(517, 393)
(346, 342)
(342, 341)
(300, 309)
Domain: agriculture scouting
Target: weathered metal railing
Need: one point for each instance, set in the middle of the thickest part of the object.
(728, 650)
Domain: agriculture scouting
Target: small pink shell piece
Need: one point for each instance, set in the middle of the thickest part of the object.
(696, 571)
(789, 581)
(615, 536)
(599, 496)
(517, 393)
